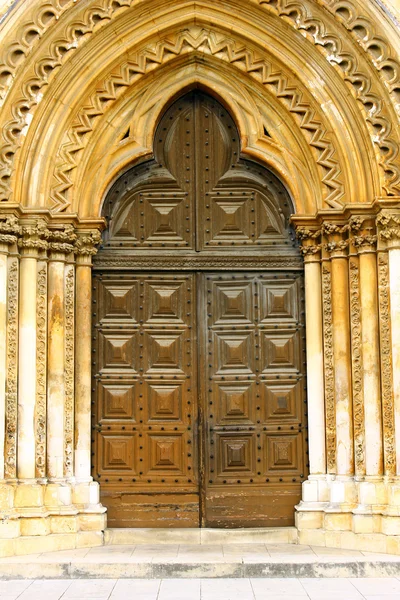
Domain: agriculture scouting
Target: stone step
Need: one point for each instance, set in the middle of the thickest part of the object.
(200, 561)
(260, 535)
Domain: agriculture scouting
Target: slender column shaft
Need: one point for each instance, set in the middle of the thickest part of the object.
(394, 279)
(342, 366)
(55, 379)
(3, 354)
(27, 368)
(370, 360)
(83, 368)
(315, 366)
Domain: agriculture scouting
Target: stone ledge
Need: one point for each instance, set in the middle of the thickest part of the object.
(278, 567)
(261, 535)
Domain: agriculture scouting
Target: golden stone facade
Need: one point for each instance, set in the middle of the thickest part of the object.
(314, 87)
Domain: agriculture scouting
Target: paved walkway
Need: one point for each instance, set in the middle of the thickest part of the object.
(170, 561)
(204, 589)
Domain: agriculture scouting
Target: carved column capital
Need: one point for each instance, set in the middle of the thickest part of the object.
(310, 249)
(33, 238)
(86, 246)
(388, 224)
(9, 230)
(363, 236)
(61, 242)
(337, 239)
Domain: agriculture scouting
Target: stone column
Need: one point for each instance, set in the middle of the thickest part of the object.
(315, 361)
(370, 371)
(337, 248)
(390, 233)
(8, 229)
(85, 249)
(58, 251)
(33, 240)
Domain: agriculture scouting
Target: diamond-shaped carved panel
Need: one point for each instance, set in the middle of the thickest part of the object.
(164, 352)
(234, 353)
(117, 401)
(284, 452)
(165, 401)
(281, 351)
(165, 302)
(282, 401)
(230, 219)
(118, 303)
(232, 303)
(165, 454)
(236, 454)
(117, 352)
(279, 301)
(117, 452)
(164, 221)
(234, 403)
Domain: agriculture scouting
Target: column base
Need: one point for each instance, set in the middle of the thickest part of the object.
(355, 514)
(41, 517)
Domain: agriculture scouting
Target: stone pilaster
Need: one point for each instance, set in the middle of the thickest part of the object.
(315, 488)
(365, 243)
(60, 246)
(389, 270)
(86, 491)
(9, 229)
(337, 248)
(31, 243)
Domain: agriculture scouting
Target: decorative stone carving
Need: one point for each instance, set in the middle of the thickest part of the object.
(34, 237)
(279, 82)
(357, 369)
(41, 370)
(389, 225)
(10, 449)
(69, 369)
(329, 372)
(307, 238)
(87, 242)
(307, 17)
(386, 366)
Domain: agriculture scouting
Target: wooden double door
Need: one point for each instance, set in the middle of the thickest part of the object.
(198, 335)
(199, 403)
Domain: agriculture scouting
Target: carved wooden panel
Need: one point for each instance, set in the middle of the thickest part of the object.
(198, 379)
(254, 423)
(197, 193)
(145, 380)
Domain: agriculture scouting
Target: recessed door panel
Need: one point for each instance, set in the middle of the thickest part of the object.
(253, 388)
(145, 382)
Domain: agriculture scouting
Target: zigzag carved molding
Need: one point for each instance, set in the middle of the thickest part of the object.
(303, 16)
(207, 42)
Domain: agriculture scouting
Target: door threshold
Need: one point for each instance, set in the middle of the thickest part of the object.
(254, 535)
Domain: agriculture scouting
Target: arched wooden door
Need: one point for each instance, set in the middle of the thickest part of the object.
(198, 327)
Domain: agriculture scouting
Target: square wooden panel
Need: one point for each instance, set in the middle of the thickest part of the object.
(164, 352)
(281, 351)
(117, 401)
(230, 218)
(234, 403)
(279, 301)
(281, 401)
(165, 454)
(117, 302)
(118, 353)
(165, 220)
(164, 401)
(236, 454)
(232, 303)
(117, 453)
(284, 453)
(165, 302)
(234, 353)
